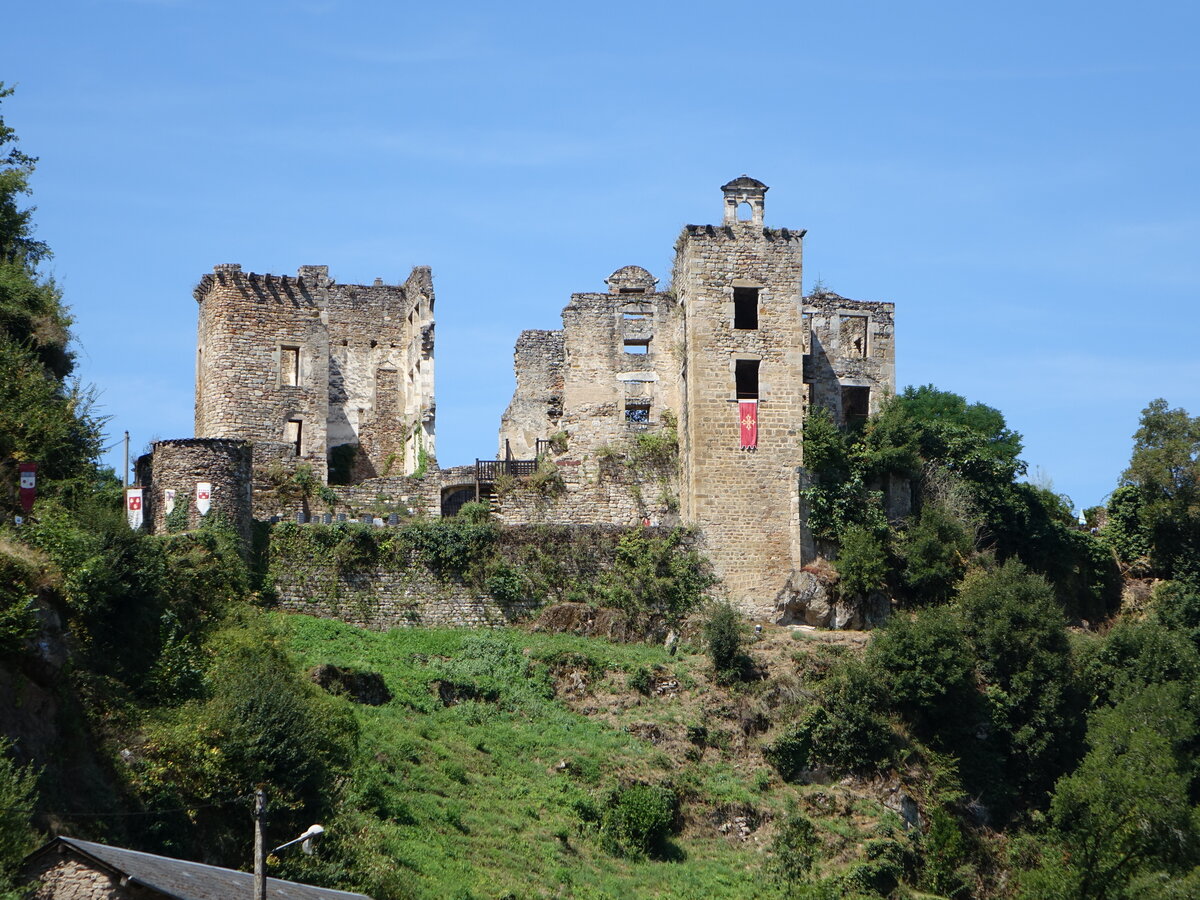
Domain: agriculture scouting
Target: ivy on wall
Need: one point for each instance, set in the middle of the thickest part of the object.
(635, 569)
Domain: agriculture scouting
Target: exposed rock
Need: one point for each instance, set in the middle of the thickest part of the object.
(367, 688)
(805, 601)
(859, 613)
(452, 693)
(592, 621)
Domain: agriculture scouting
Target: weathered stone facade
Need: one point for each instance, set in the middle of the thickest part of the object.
(633, 409)
(734, 326)
(180, 465)
(67, 878)
(302, 365)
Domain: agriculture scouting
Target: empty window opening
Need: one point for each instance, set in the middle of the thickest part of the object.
(856, 404)
(745, 377)
(744, 213)
(640, 290)
(745, 307)
(289, 365)
(638, 347)
(637, 412)
(635, 314)
(854, 336)
(294, 435)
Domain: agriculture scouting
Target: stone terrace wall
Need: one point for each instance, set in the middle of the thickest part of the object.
(397, 592)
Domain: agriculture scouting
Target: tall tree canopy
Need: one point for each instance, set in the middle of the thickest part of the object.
(1155, 515)
(43, 417)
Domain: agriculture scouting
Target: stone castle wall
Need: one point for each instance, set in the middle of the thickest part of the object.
(262, 359)
(180, 465)
(594, 490)
(537, 404)
(851, 344)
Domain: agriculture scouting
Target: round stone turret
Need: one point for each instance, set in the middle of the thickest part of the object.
(744, 189)
(180, 465)
(631, 280)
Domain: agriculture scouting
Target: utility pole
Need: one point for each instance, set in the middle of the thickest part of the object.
(125, 471)
(260, 844)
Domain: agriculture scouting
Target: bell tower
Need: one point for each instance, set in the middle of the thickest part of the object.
(739, 287)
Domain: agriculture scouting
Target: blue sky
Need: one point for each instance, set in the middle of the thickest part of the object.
(1019, 178)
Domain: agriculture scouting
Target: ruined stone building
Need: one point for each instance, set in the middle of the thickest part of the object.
(734, 337)
(336, 376)
(653, 404)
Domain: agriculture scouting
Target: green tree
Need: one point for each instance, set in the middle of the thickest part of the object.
(926, 667)
(862, 563)
(1165, 471)
(1018, 634)
(17, 837)
(723, 635)
(31, 312)
(1125, 810)
(935, 552)
(42, 418)
(923, 424)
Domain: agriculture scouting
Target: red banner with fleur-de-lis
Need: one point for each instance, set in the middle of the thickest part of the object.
(748, 419)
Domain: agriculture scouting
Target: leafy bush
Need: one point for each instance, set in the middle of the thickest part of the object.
(844, 731)
(935, 552)
(654, 573)
(21, 572)
(926, 667)
(641, 680)
(475, 512)
(1177, 606)
(1017, 633)
(17, 791)
(505, 583)
(862, 563)
(637, 819)
(723, 636)
(792, 854)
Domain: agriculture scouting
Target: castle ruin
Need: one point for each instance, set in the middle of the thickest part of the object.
(648, 407)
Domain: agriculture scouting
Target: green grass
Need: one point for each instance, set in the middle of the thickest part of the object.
(471, 800)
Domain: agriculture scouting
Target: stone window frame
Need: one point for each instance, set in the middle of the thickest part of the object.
(746, 284)
(846, 386)
(298, 440)
(844, 314)
(734, 358)
(296, 368)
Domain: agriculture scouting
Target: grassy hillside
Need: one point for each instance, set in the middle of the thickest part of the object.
(488, 773)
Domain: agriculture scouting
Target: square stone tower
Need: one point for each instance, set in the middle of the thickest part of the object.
(302, 366)
(744, 339)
